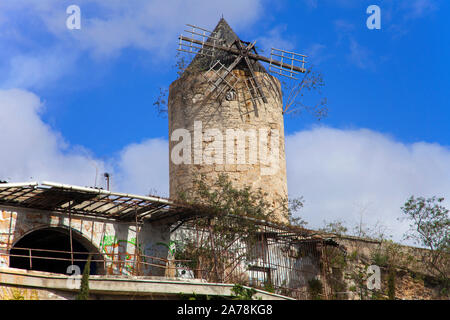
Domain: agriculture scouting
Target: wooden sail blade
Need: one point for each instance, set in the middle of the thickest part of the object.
(227, 71)
(286, 63)
(207, 45)
(254, 82)
(196, 42)
(273, 61)
(217, 75)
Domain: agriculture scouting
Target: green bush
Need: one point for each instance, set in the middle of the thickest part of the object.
(315, 288)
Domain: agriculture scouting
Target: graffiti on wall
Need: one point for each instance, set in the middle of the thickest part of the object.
(121, 254)
(171, 247)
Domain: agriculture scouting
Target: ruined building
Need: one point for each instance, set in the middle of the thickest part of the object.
(231, 132)
(145, 247)
(48, 231)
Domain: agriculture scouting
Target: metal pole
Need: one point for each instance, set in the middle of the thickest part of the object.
(106, 175)
(8, 248)
(136, 250)
(70, 231)
(325, 268)
(216, 262)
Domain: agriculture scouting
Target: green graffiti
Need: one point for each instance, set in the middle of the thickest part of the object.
(110, 244)
(171, 246)
(108, 241)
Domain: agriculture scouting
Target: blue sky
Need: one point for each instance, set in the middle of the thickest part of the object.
(87, 95)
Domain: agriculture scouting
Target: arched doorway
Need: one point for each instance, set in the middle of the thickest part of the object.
(50, 251)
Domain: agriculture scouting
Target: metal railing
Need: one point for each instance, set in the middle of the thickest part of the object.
(112, 263)
(279, 265)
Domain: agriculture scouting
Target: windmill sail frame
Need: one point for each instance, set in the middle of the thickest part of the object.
(221, 78)
(287, 63)
(195, 44)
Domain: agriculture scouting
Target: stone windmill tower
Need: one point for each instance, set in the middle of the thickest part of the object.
(225, 114)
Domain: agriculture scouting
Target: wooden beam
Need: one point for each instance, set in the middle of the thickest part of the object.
(250, 55)
(247, 60)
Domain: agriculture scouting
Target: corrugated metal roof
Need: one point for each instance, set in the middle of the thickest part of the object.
(56, 197)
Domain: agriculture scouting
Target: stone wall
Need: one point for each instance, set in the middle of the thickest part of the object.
(190, 108)
(402, 266)
(111, 238)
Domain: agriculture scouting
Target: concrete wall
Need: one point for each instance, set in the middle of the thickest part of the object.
(106, 236)
(20, 284)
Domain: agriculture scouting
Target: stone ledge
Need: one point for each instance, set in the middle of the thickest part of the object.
(120, 285)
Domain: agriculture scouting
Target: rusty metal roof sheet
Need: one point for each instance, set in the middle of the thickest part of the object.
(80, 200)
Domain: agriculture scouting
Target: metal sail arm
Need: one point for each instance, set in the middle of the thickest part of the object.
(249, 54)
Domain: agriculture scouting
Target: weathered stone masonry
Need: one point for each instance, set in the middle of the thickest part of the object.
(189, 102)
(112, 238)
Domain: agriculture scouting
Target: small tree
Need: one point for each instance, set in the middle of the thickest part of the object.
(84, 287)
(429, 228)
(336, 227)
(294, 95)
(315, 288)
(241, 293)
(228, 221)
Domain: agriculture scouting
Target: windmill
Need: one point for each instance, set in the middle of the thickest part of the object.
(226, 98)
(223, 51)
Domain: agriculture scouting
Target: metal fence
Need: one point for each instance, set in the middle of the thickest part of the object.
(274, 260)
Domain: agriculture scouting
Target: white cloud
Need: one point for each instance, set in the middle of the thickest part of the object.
(343, 173)
(39, 49)
(144, 168)
(109, 26)
(317, 53)
(342, 25)
(399, 16)
(311, 3)
(32, 151)
(360, 56)
(419, 8)
(340, 173)
(275, 38)
(38, 69)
